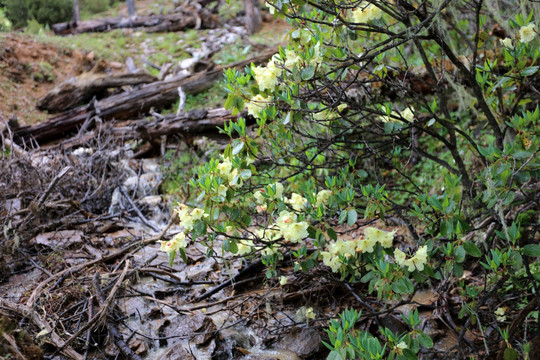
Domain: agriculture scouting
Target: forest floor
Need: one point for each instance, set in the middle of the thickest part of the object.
(82, 277)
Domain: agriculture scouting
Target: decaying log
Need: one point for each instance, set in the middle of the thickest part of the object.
(82, 88)
(130, 104)
(193, 122)
(185, 18)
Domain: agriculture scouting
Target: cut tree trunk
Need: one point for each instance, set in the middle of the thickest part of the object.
(156, 95)
(82, 88)
(253, 16)
(131, 7)
(188, 17)
(76, 11)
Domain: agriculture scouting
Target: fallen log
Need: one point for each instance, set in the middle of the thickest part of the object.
(184, 18)
(130, 104)
(193, 122)
(82, 88)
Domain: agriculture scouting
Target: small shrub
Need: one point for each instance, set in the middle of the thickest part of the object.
(43, 11)
(5, 23)
(95, 6)
(43, 72)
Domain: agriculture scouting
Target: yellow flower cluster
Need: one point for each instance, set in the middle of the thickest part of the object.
(177, 242)
(187, 217)
(406, 114)
(226, 171)
(292, 59)
(372, 236)
(244, 247)
(527, 33)
(267, 77)
(297, 201)
(507, 43)
(256, 105)
(322, 197)
(289, 228)
(417, 261)
(366, 12)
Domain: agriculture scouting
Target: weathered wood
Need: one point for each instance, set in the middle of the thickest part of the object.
(253, 16)
(183, 19)
(130, 104)
(82, 88)
(193, 122)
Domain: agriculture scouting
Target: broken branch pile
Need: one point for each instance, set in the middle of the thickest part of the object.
(158, 94)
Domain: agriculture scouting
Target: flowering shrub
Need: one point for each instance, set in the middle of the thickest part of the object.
(422, 113)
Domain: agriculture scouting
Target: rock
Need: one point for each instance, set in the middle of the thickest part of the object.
(116, 65)
(147, 184)
(304, 342)
(175, 352)
(59, 239)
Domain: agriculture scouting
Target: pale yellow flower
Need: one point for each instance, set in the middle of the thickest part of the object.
(399, 256)
(393, 117)
(323, 196)
(527, 33)
(407, 114)
(197, 213)
(271, 8)
(293, 59)
(366, 12)
(283, 280)
(232, 175)
(400, 347)
(500, 314)
(382, 237)
(309, 313)
(325, 114)
(177, 242)
(418, 261)
(259, 197)
(297, 201)
(257, 104)
(342, 107)
(331, 260)
(507, 43)
(285, 219)
(295, 231)
(224, 168)
(267, 77)
(366, 245)
(222, 190)
(244, 247)
(420, 258)
(279, 191)
(268, 234)
(345, 248)
(182, 210)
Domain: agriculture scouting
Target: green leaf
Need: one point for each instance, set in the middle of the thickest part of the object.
(352, 216)
(472, 249)
(172, 256)
(245, 174)
(459, 254)
(238, 147)
(307, 73)
(403, 286)
(531, 250)
(342, 216)
(529, 71)
(510, 354)
(425, 340)
(331, 234)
